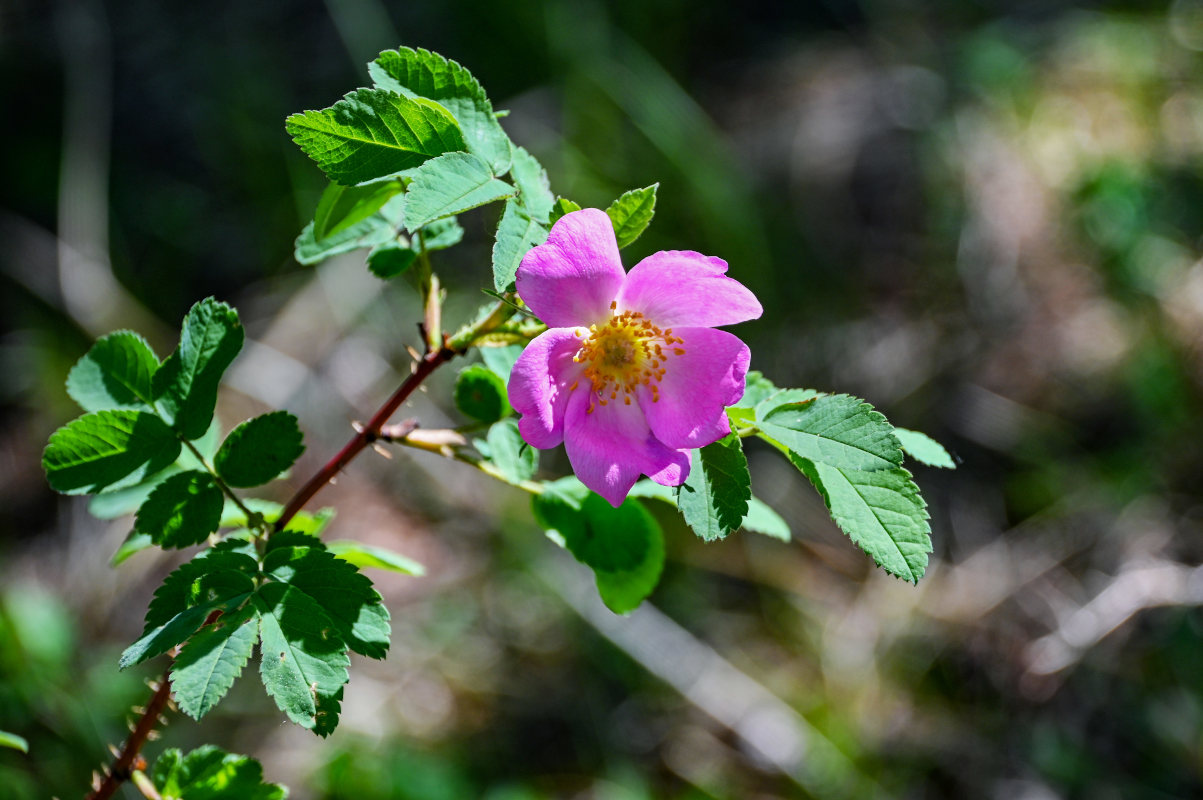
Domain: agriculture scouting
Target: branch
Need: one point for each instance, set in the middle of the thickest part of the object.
(120, 771)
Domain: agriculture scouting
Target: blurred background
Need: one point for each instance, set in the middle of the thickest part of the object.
(984, 217)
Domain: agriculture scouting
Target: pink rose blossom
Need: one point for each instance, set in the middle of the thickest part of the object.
(630, 374)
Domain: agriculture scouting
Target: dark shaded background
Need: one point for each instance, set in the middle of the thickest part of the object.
(984, 217)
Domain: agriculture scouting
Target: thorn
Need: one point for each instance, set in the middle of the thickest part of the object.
(113, 749)
(139, 710)
(95, 781)
(357, 426)
(153, 736)
(129, 723)
(382, 450)
(414, 354)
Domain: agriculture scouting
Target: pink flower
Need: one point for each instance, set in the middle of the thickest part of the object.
(630, 374)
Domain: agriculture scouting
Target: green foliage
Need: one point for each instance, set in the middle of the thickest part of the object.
(924, 449)
(449, 185)
(115, 373)
(390, 259)
(515, 460)
(373, 133)
(13, 742)
(259, 449)
(480, 393)
(517, 233)
(834, 429)
(714, 498)
(881, 511)
(376, 230)
(182, 510)
(560, 207)
(763, 519)
(209, 773)
(103, 447)
(501, 359)
(534, 189)
(623, 546)
(341, 207)
(185, 386)
(632, 213)
(212, 660)
(362, 556)
(421, 73)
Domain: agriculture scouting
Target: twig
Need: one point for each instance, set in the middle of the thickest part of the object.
(121, 769)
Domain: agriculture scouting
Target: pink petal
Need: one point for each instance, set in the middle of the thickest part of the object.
(539, 385)
(611, 446)
(696, 388)
(572, 278)
(682, 288)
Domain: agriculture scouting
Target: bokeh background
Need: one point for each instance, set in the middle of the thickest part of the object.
(983, 216)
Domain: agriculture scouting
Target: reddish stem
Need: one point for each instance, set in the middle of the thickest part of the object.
(119, 772)
(368, 434)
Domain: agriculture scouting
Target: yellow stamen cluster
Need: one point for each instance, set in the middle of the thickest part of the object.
(624, 353)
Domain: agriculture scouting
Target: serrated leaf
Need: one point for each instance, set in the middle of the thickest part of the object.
(115, 373)
(373, 133)
(124, 499)
(517, 233)
(363, 556)
(391, 259)
(213, 575)
(182, 510)
(501, 359)
(134, 543)
(924, 449)
(714, 498)
(259, 449)
(534, 189)
(301, 653)
(13, 742)
(355, 609)
(209, 773)
(449, 185)
(377, 229)
(312, 523)
(560, 207)
(781, 397)
(480, 394)
(439, 235)
(764, 520)
(881, 511)
(103, 447)
(422, 73)
(212, 660)
(328, 709)
(177, 629)
(185, 386)
(511, 455)
(624, 546)
(340, 206)
(632, 213)
(837, 429)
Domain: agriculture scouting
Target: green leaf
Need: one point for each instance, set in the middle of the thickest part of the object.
(624, 546)
(185, 386)
(763, 519)
(757, 388)
(329, 706)
(517, 233)
(213, 576)
(534, 189)
(363, 556)
(390, 259)
(714, 498)
(103, 447)
(448, 185)
(373, 133)
(838, 429)
(259, 449)
(312, 523)
(115, 373)
(377, 229)
(212, 660)
(209, 773)
(480, 394)
(514, 458)
(134, 543)
(439, 235)
(924, 449)
(13, 741)
(182, 510)
(355, 609)
(501, 359)
(632, 213)
(560, 207)
(421, 73)
(176, 630)
(781, 397)
(340, 207)
(125, 498)
(302, 656)
(881, 511)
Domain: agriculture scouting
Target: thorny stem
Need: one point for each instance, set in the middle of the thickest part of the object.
(121, 769)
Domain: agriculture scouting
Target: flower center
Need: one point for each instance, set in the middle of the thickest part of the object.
(624, 353)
